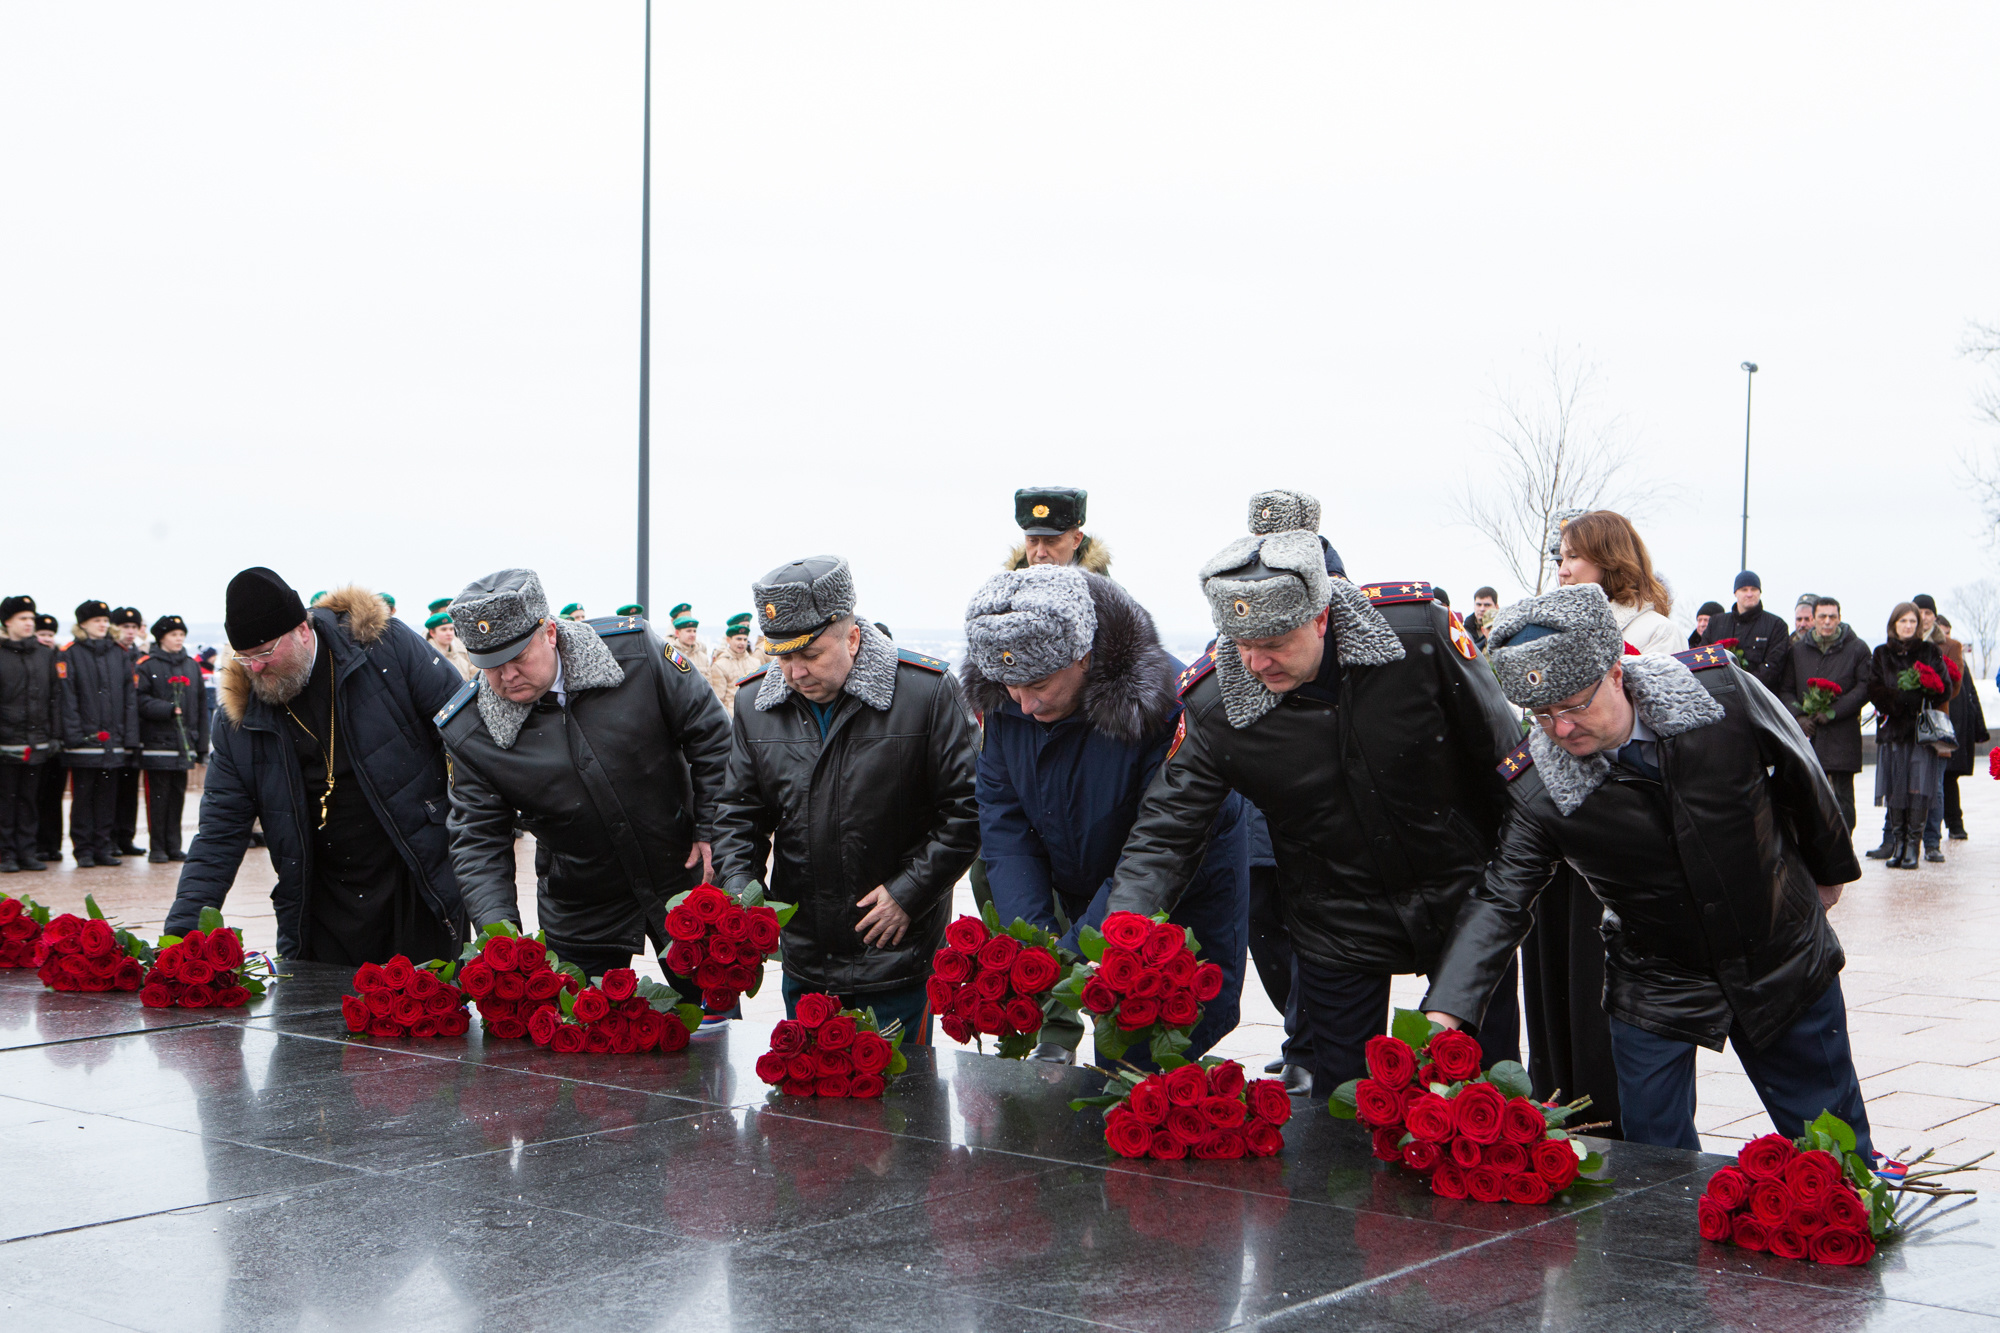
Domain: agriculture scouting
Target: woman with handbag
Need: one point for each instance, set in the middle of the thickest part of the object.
(1906, 680)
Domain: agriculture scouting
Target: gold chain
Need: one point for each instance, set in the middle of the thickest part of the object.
(332, 734)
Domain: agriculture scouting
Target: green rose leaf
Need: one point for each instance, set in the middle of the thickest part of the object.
(1341, 1105)
(1511, 1078)
(1091, 940)
(1411, 1028)
(211, 920)
(1834, 1128)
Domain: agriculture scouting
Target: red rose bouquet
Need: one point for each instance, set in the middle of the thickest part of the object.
(1141, 984)
(205, 969)
(620, 1014)
(1813, 1197)
(90, 954)
(404, 999)
(1475, 1135)
(1819, 698)
(986, 982)
(827, 1051)
(1919, 676)
(21, 922)
(720, 941)
(1993, 762)
(1207, 1110)
(510, 976)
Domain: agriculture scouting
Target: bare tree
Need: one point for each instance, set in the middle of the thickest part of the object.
(1977, 606)
(1555, 456)
(1982, 343)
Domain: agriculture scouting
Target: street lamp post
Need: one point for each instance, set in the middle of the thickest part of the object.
(644, 592)
(1743, 551)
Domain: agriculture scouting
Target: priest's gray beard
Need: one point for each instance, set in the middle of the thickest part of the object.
(279, 685)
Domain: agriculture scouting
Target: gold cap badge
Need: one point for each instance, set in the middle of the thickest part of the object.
(770, 610)
(1242, 607)
(1534, 677)
(483, 627)
(1040, 511)
(1007, 656)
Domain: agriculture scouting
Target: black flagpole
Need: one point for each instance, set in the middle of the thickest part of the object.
(644, 597)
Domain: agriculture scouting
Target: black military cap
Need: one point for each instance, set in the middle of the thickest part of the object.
(14, 606)
(127, 615)
(91, 610)
(44, 621)
(1049, 511)
(167, 625)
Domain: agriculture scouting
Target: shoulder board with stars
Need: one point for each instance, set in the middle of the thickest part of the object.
(674, 655)
(457, 701)
(919, 660)
(611, 625)
(1387, 594)
(1518, 761)
(1196, 669)
(1704, 657)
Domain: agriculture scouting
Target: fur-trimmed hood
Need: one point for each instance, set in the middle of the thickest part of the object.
(1360, 636)
(360, 613)
(1093, 557)
(1666, 695)
(872, 679)
(587, 664)
(1129, 691)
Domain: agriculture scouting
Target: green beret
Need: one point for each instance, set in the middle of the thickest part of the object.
(437, 606)
(740, 618)
(632, 609)
(572, 608)
(314, 599)
(680, 610)
(388, 597)
(685, 622)
(441, 618)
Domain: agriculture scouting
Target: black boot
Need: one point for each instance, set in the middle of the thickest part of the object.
(1920, 825)
(1888, 847)
(1909, 841)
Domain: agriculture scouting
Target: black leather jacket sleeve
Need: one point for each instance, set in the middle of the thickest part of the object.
(1494, 919)
(929, 875)
(696, 718)
(1800, 791)
(482, 847)
(1164, 850)
(743, 822)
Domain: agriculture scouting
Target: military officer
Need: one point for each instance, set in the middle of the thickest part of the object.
(602, 741)
(1051, 521)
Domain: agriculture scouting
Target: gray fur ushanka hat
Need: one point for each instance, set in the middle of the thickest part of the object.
(1264, 585)
(1027, 624)
(1546, 648)
(1281, 511)
(795, 602)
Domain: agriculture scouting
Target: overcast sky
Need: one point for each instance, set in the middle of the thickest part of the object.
(352, 290)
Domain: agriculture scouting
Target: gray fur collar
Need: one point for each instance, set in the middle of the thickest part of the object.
(587, 664)
(1663, 691)
(872, 681)
(1360, 636)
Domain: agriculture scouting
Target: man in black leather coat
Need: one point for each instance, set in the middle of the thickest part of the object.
(606, 744)
(853, 760)
(1364, 724)
(1692, 804)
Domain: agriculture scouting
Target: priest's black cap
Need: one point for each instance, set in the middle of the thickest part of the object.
(260, 607)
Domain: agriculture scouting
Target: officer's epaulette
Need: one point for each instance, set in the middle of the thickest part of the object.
(1704, 657)
(143, 659)
(606, 626)
(1517, 762)
(919, 660)
(457, 701)
(1387, 594)
(758, 674)
(1196, 669)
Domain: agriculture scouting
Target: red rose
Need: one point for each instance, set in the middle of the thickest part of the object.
(1099, 998)
(1477, 1111)
(708, 903)
(1180, 970)
(1528, 1187)
(1845, 1209)
(1126, 930)
(352, 1010)
(865, 1085)
(542, 985)
(1713, 1219)
(620, 983)
(1555, 1161)
(1119, 968)
(721, 952)
(159, 996)
(938, 994)
(196, 971)
(1024, 1015)
(399, 973)
(231, 997)
(1263, 1138)
(952, 965)
(1485, 1184)
(989, 1018)
(97, 940)
(1034, 971)
(1224, 1112)
(796, 1088)
(590, 1005)
(1467, 1153)
(1391, 1061)
(958, 1029)
(871, 1052)
(990, 986)
(1166, 1147)
(1224, 1145)
(197, 997)
(1377, 1104)
(836, 1034)
(1730, 1188)
(1421, 1156)
(1448, 1181)
(734, 925)
(1456, 1055)
(673, 1034)
(1386, 1143)
(475, 976)
(1207, 982)
(1841, 1245)
(1148, 1100)
(1128, 1135)
(828, 1063)
(131, 974)
(568, 1039)
(1929, 680)
(1805, 1220)
(103, 736)
(1163, 941)
(1187, 1085)
(498, 951)
(815, 1008)
(763, 929)
(1748, 1233)
(1509, 1159)
(406, 1009)
(1811, 1176)
(1179, 1009)
(833, 1085)
(513, 1029)
(1769, 1202)
(382, 1027)
(1226, 1079)
(542, 1027)
(683, 924)
(1187, 1124)
(1269, 1101)
(1136, 1013)
(1429, 1117)
(966, 934)
(788, 1038)
(1524, 1123)
(1787, 1243)
(997, 954)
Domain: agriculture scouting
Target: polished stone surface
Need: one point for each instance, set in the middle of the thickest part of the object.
(260, 1168)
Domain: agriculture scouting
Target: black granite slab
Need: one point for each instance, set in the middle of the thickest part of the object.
(265, 1161)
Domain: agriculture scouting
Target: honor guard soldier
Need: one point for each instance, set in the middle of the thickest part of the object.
(734, 660)
(1681, 791)
(602, 741)
(1077, 696)
(1367, 733)
(30, 732)
(52, 779)
(128, 626)
(1051, 521)
(856, 760)
(173, 734)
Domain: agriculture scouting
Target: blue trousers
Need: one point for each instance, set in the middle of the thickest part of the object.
(1339, 1011)
(1807, 1070)
(911, 1006)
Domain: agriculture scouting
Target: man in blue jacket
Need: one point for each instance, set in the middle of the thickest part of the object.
(1078, 701)
(326, 737)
